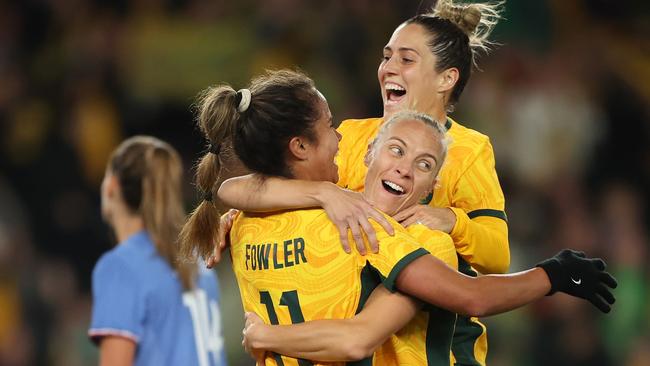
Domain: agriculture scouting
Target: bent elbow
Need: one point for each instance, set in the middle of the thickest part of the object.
(360, 353)
(472, 302)
(224, 191)
(359, 349)
(475, 307)
(357, 354)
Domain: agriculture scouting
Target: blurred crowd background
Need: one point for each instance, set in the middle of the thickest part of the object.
(565, 100)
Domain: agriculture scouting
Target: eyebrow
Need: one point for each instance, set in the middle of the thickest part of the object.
(405, 144)
(387, 48)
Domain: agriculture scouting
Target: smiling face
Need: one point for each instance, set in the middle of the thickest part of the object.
(407, 73)
(325, 148)
(402, 165)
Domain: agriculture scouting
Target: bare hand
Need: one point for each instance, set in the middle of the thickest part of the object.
(225, 224)
(434, 218)
(350, 210)
(252, 327)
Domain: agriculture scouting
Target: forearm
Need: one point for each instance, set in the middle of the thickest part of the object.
(482, 242)
(254, 193)
(343, 339)
(116, 351)
(433, 282)
(323, 340)
(501, 293)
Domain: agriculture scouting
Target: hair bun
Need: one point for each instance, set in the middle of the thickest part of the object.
(466, 16)
(469, 18)
(476, 20)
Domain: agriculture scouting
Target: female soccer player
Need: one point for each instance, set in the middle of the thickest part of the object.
(426, 64)
(290, 266)
(149, 308)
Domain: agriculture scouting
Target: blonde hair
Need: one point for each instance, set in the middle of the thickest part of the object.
(150, 173)
(476, 20)
(436, 126)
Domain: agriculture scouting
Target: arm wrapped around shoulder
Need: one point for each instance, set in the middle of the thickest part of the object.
(571, 272)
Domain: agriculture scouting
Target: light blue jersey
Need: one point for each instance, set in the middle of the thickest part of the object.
(137, 295)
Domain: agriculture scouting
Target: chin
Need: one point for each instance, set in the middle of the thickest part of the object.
(390, 211)
(389, 110)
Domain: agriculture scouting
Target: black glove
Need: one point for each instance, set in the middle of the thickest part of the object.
(570, 272)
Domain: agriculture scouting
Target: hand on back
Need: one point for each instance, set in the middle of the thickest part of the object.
(349, 210)
(435, 218)
(225, 224)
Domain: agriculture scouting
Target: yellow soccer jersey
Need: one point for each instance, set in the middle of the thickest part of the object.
(291, 268)
(427, 338)
(468, 184)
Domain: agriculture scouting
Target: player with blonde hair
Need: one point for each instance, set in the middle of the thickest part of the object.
(290, 265)
(425, 67)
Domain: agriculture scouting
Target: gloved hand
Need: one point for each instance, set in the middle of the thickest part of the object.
(571, 272)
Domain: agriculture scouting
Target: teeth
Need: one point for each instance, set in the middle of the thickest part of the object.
(394, 186)
(393, 86)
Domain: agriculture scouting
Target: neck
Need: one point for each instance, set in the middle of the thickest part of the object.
(301, 170)
(127, 225)
(441, 117)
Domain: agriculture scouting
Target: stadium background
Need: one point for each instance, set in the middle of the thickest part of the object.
(564, 100)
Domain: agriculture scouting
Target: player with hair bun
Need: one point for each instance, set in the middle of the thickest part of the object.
(426, 65)
(290, 265)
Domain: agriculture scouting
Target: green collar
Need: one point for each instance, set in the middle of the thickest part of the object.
(448, 124)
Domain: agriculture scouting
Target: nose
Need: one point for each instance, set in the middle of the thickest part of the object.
(388, 67)
(403, 169)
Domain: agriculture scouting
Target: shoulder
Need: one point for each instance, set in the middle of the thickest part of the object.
(401, 233)
(466, 145)
(422, 233)
(280, 221)
(116, 275)
(127, 257)
(297, 214)
(116, 259)
(355, 123)
(438, 243)
(467, 137)
(359, 127)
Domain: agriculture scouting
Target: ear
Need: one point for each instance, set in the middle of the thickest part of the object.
(110, 189)
(298, 147)
(367, 159)
(112, 186)
(447, 79)
(436, 183)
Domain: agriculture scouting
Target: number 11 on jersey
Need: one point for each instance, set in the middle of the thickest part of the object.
(290, 300)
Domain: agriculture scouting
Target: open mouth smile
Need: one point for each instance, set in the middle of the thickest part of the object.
(393, 188)
(394, 92)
